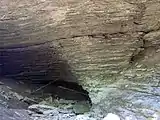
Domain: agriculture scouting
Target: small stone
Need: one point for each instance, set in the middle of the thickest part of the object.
(111, 116)
(28, 100)
(40, 109)
(19, 97)
(130, 118)
(65, 111)
(156, 117)
(66, 116)
(45, 107)
(51, 112)
(81, 107)
(82, 117)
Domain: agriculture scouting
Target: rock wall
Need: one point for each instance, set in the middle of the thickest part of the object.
(102, 40)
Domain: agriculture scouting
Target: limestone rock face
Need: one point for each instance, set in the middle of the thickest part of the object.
(101, 40)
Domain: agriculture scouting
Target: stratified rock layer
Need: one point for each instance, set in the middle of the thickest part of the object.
(102, 40)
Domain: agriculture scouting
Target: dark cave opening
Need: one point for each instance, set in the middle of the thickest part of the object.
(40, 69)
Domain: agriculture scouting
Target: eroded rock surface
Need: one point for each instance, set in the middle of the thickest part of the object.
(14, 114)
(97, 38)
(112, 46)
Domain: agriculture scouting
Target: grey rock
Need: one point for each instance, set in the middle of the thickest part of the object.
(111, 45)
(84, 117)
(112, 116)
(11, 99)
(42, 108)
(14, 114)
(50, 113)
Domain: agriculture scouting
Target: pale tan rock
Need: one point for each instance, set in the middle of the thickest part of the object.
(101, 40)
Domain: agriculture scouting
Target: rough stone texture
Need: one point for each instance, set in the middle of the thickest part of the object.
(98, 37)
(11, 99)
(104, 41)
(14, 114)
(44, 112)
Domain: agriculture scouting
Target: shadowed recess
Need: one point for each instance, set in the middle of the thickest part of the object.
(39, 69)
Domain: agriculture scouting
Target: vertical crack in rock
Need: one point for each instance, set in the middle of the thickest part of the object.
(146, 49)
(139, 52)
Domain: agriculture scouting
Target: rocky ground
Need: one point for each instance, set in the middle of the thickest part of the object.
(128, 101)
(110, 47)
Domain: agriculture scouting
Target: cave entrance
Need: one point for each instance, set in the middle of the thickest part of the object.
(39, 70)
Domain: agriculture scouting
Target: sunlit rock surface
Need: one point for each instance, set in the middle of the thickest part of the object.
(111, 46)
